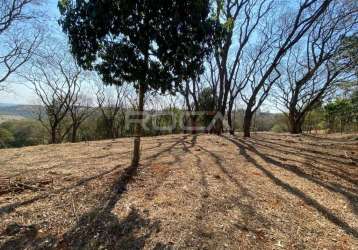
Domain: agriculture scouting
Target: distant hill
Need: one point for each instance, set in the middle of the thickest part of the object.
(26, 111)
(7, 104)
(5, 118)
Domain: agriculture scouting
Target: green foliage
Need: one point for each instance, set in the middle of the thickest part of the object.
(279, 128)
(6, 137)
(341, 114)
(278, 123)
(206, 102)
(154, 43)
(349, 52)
(315, 119)
(21, 133)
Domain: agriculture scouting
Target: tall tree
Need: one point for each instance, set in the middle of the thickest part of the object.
(241, 20)
(79, 111)
(311, 70)
(149, 43)
(17, 45)
(293, 27)
(55, 79)
(348, 59)
(112, 106)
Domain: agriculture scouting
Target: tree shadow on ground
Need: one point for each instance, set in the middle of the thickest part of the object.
(99, 228)
(346, 176)
(160, 176)
(25, 237)
(250, 223)
(329, 215)
(333, 140)
(9, 208)
(304, 152)
(13, 206)
(349, 194)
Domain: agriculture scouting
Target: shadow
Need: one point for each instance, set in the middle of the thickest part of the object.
(99, 228)
(203, 210)
(249, 219)
(244, 147)
(334, 140)
(219, 162)
(334, 172)
(161, 176)
(11, 207)
(337, 188)
(6, 209)
(167, 149)
(307, 152)
(313, 140)
(25, 237)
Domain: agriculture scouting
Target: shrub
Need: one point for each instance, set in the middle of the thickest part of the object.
(279, 128)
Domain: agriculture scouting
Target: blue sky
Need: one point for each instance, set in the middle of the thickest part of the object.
(18, 93)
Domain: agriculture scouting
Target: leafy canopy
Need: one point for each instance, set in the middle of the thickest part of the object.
(158, 43)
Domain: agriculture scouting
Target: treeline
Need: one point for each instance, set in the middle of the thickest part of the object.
(337, 116)
(213, 57)
(340, 115)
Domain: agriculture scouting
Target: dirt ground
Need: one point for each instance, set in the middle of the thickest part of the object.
(273, 191)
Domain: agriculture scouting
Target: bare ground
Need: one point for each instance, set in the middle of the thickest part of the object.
(274, 191)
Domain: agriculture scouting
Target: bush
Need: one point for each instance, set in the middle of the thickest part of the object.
(22, 133)
(279, 128)
(6, 138)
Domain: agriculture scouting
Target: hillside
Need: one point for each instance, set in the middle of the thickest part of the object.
(274, 191)
(5, 118)
(26, 111)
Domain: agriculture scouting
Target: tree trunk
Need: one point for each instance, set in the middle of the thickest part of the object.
(247, 122)
(53, 139)
(138, 127)
(74, 134)
(295, 128)
(295, 123)
(193, 123)
(217, 127)
(230, 120)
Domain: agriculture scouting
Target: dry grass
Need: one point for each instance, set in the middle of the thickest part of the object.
(274, 191)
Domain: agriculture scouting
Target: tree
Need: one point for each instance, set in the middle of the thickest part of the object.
(349, 52)
(17, 45)
(284, 37)
(310, 70)
(21, 133)
(241, 20)
(55, 79)
(155, 45)
(80, 110)
(6, 138)
(348, 59)
(196, 96)
(111, 104)
(339, 114)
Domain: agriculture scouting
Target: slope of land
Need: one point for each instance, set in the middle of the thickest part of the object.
(5, 118)
(25, 111)
(273, 191)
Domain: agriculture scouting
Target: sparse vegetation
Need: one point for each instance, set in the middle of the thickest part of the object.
(244, 115)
